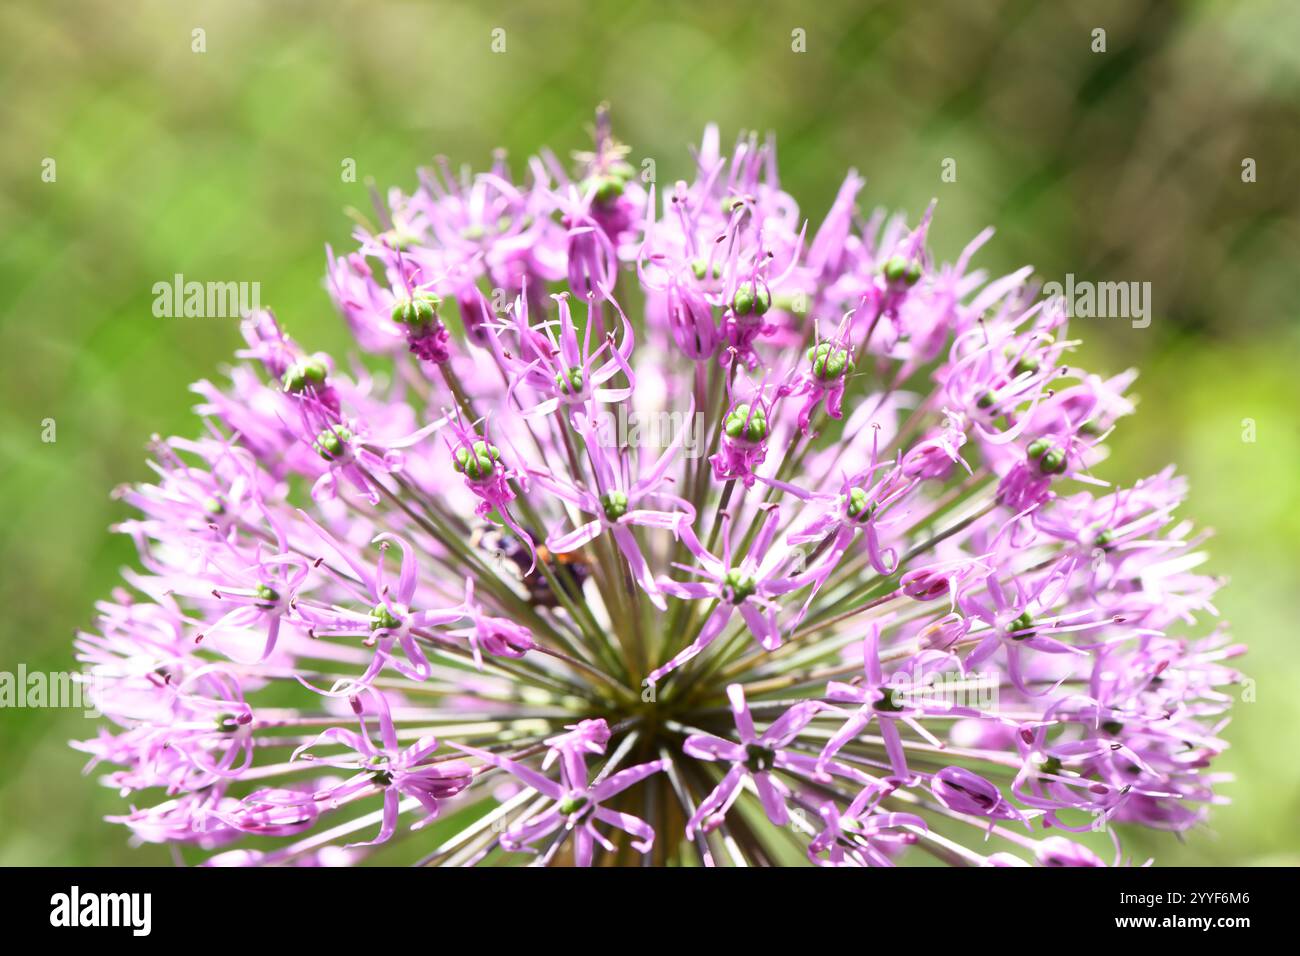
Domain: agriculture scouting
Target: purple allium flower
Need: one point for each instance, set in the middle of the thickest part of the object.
(617, 475)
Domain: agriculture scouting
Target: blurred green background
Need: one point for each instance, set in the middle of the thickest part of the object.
(225, 165)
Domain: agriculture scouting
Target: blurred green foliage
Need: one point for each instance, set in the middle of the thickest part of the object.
(225, 165)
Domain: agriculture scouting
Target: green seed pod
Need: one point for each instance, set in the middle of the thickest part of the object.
(571, 805)
(828, 362)
(759, 759)
(615, 504)
(751, 298)
(735, 426)
(700, 268)
(570, 384)
(332, 442)
(307, 371)
(1025, 365)
(741, 586)
(1052, 462)
(1024, 623)
(227, 723)
(608, 188)
(887, 704)
(479, 462)
(859, 509)
(379, 772)
(898, 270)
(382, 619)
(418, 312)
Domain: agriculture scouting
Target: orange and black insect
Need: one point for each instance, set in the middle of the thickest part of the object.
(571, 568)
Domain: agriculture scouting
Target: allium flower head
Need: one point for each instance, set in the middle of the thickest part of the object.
(650, 523)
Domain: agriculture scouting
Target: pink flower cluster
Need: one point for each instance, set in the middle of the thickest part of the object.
(620, 473)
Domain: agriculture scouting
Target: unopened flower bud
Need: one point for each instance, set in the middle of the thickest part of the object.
(751, 298)
(417, 312)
